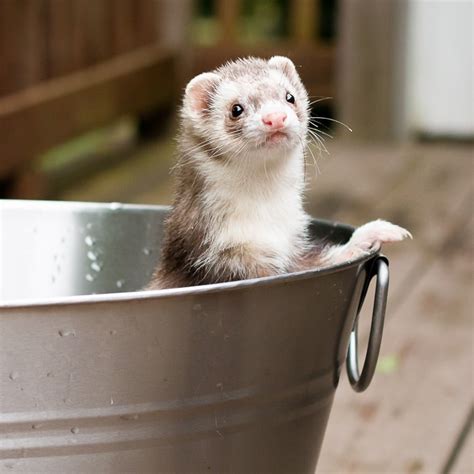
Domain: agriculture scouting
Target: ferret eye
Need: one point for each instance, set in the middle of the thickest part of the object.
(290, 98)
(237, 110)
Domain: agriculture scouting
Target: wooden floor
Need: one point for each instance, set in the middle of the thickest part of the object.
(416, 417)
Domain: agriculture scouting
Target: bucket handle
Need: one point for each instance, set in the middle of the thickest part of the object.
(360, 381)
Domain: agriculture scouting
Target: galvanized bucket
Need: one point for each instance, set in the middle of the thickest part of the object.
(98, 376)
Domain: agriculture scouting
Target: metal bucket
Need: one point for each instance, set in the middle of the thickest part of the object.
(236, 377)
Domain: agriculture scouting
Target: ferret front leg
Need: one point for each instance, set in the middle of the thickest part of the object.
(364, 240)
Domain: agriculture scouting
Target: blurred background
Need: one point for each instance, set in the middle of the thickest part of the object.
(84, 85)
(88, 98)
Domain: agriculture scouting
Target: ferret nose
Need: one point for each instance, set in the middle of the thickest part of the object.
(274, 120)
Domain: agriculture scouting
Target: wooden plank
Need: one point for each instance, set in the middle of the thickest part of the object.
(423, 199)
(146, 27)
(22, 44)
(82, 33)
(315, 64)
(304, 21)
(228, 15)
(78, 35)
(123, 26)
(61, 59)
(174, 30)
(95, 39)
(328, 194)
(59, 109)
(32, 41)
(411, 185)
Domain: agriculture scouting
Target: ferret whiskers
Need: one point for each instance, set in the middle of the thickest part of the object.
(333, 120)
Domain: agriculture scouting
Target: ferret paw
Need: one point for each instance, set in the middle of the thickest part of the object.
(365, 240)
(372, 235)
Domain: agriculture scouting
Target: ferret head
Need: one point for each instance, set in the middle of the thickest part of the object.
(249, 106)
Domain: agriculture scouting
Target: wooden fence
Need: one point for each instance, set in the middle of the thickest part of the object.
(45, 39)
(302, 42)
(68, 66)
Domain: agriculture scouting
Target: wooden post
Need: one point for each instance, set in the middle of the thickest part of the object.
(304, 21)
(174, 32)
(22, 44)
(371, 72)
(228, 12)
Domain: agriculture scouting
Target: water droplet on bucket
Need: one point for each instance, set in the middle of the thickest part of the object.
(120, 283)
(89, 277)
(66, 333)
(36, 426)
(74, 430)
(96, 267)
(115, 206)
(112, 401)
(91, 255)
(14, 375)
(89, 240)
(89, 225)
(146, 251)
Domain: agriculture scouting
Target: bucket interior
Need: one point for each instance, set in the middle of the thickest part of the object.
(55, 249)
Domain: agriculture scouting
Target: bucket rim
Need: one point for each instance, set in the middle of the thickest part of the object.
(143, 295)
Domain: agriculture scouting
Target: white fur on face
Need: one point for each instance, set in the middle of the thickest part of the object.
(255, 130)
(253, 134)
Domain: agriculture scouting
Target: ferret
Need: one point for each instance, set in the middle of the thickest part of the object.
(238, 207)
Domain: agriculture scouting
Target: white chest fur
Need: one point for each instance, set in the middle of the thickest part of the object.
(262, 210)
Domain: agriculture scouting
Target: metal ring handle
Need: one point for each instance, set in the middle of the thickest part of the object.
(360, 381)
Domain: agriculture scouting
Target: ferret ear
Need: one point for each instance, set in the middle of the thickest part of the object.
(199, 90)
(284, 64)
